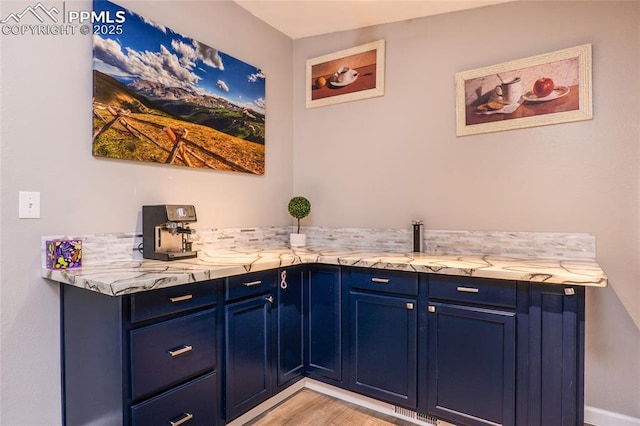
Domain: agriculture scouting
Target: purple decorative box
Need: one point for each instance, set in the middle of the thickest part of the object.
(64, 254)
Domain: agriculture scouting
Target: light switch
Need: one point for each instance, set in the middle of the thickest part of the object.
(29, 205)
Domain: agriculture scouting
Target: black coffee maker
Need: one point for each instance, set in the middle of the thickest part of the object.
(165, 232)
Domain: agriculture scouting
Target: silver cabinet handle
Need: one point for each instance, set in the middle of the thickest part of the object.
(431, 309)
(252, 283)
(269, 299)
(185, 418)
(380, 280)
(181, 298)
(468, 290)
(180, 351)
(569, 291)
(410, 306)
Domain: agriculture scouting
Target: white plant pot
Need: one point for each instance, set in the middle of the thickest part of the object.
(297, 240)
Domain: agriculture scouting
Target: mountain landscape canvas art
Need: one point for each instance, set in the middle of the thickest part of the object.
(160, 96)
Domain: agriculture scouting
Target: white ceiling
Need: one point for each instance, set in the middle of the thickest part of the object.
(304, 18)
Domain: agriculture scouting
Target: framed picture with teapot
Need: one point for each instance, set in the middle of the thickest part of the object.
(348, 75)
(540, 90)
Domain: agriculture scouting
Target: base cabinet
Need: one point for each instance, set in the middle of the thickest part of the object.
(248, 358)
(466, 350)
(383, 318)
(556, 356)
(142, 359)
(264, 337)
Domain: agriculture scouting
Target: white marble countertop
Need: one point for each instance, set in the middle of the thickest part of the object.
(124, 277)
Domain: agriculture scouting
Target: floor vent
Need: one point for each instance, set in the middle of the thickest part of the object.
(409, 414)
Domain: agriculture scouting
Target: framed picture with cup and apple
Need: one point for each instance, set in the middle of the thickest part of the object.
(540, 90)
(348, 75)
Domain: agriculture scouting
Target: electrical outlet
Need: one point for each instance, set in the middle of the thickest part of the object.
(29, 205)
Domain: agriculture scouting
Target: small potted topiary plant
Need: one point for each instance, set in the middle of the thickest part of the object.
(299, 208)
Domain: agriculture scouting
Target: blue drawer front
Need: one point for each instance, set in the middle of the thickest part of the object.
(195, 403)
(167, 301)
(398, 282)
(172, 352)
(250, 284)
(473, 290)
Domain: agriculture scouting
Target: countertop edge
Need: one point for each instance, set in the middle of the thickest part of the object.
(125, 277)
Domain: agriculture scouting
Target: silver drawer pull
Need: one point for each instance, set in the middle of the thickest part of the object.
(185, 418)
(468, 290)
(181, 298)
(182, 350)
(380, 280)
(569, 291)
(252, 283)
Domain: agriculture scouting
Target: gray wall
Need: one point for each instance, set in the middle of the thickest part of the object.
(46, 146)
(385, 161)
(378, 163)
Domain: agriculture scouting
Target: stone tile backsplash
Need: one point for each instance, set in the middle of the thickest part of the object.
(388, 239)
(269, 236)
(546, 245)
(576, 246)
(528, 244)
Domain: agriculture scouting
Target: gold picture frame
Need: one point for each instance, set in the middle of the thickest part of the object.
(502, 97)
(344, 76)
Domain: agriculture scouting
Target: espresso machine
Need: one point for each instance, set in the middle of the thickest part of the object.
(165, 232)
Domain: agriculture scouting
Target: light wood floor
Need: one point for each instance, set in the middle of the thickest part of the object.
(310, 408)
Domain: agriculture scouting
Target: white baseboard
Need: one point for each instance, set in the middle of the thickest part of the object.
(348, 396)
(599, 417)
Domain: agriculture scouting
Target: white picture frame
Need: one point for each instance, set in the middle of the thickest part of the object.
(347, 75)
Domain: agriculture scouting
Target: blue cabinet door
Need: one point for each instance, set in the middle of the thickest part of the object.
(248, 360)
(289, 325)
(556, 355)
(323, 324)
(384, 347)
(471, 377)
